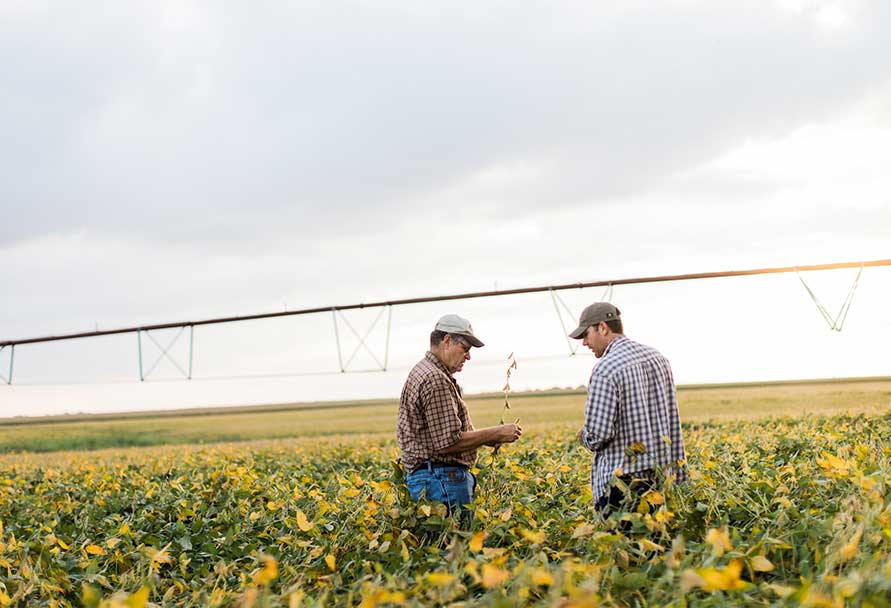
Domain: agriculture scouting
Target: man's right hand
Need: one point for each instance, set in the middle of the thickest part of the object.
(508, 433)
(491, 436)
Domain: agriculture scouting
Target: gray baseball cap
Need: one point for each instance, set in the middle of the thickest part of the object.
(594, 314)
(453, 324)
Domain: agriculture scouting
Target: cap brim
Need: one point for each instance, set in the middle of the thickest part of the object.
(474, 341)
(578, 332)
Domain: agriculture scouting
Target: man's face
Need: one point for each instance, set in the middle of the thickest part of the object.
(595, 339)
(456, 352)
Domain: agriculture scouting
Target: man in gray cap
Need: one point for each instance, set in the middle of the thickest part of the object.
(632, 424)
(434, 430)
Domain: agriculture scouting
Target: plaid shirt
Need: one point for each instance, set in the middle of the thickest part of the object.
(632, 400)
(432, 416)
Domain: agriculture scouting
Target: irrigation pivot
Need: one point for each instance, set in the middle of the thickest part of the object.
(834, 322)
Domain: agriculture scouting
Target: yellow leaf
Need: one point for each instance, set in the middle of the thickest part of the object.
(505, 515)
(719, 540)
(440, 579)
(295, 600)
(5, 600)
(867, 483)
(493, 576)
(783, 591)
(690, 579)
(833, 465)
(304, 524)
(472, 569)
(852, 548)
(331, 561)
(655, 498)
(533, 537)
(138, 599)
(476, 543)
(94, 550)
(648, 545)
(405, 556)
(268, 573)
(848, 587)
(723, 579)
(783, 501)
(124, 528)
(111, 543)
(161, 557)
(90, 596)
(425, 509)
(62, 544)
(583, 530)
(541, 578)
(761, 564)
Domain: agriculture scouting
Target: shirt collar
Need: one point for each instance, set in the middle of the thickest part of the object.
(438, 364)
(609, 347)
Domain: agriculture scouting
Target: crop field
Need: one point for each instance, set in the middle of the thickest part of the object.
(536, 410)
(779, 511)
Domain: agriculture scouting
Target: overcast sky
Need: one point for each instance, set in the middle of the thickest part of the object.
(179, 160)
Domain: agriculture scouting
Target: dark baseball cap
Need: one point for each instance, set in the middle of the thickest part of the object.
(594, 314)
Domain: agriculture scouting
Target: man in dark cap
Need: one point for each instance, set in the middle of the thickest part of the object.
(632, 424)
(434, 430)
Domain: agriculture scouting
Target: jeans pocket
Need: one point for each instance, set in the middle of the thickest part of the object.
(417, 484)
(458, 486)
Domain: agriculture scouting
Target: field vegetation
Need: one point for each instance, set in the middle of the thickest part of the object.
(536, 410)
(793, 509)
(785, 512)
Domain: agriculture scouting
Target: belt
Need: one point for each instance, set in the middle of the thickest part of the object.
(431, 464)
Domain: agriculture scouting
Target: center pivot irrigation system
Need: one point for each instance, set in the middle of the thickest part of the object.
(835, 322)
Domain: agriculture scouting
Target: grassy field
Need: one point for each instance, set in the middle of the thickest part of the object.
(535, 410)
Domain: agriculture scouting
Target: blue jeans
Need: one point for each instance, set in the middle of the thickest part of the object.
(452, 485)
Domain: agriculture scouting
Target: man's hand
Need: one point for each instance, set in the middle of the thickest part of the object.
(581, 436)
(491, 436)
(508, 433)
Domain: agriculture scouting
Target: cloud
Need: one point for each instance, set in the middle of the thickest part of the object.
(214, 123)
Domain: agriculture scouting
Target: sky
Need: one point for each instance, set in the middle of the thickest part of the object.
(175, 161)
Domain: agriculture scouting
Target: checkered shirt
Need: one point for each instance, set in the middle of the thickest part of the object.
(432, 416)
(632, 400)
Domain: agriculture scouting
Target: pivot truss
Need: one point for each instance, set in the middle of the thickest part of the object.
(8, 379)
(165, 351)
(555, 298)
(341, 321)
(838, 321)
(344, 365)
